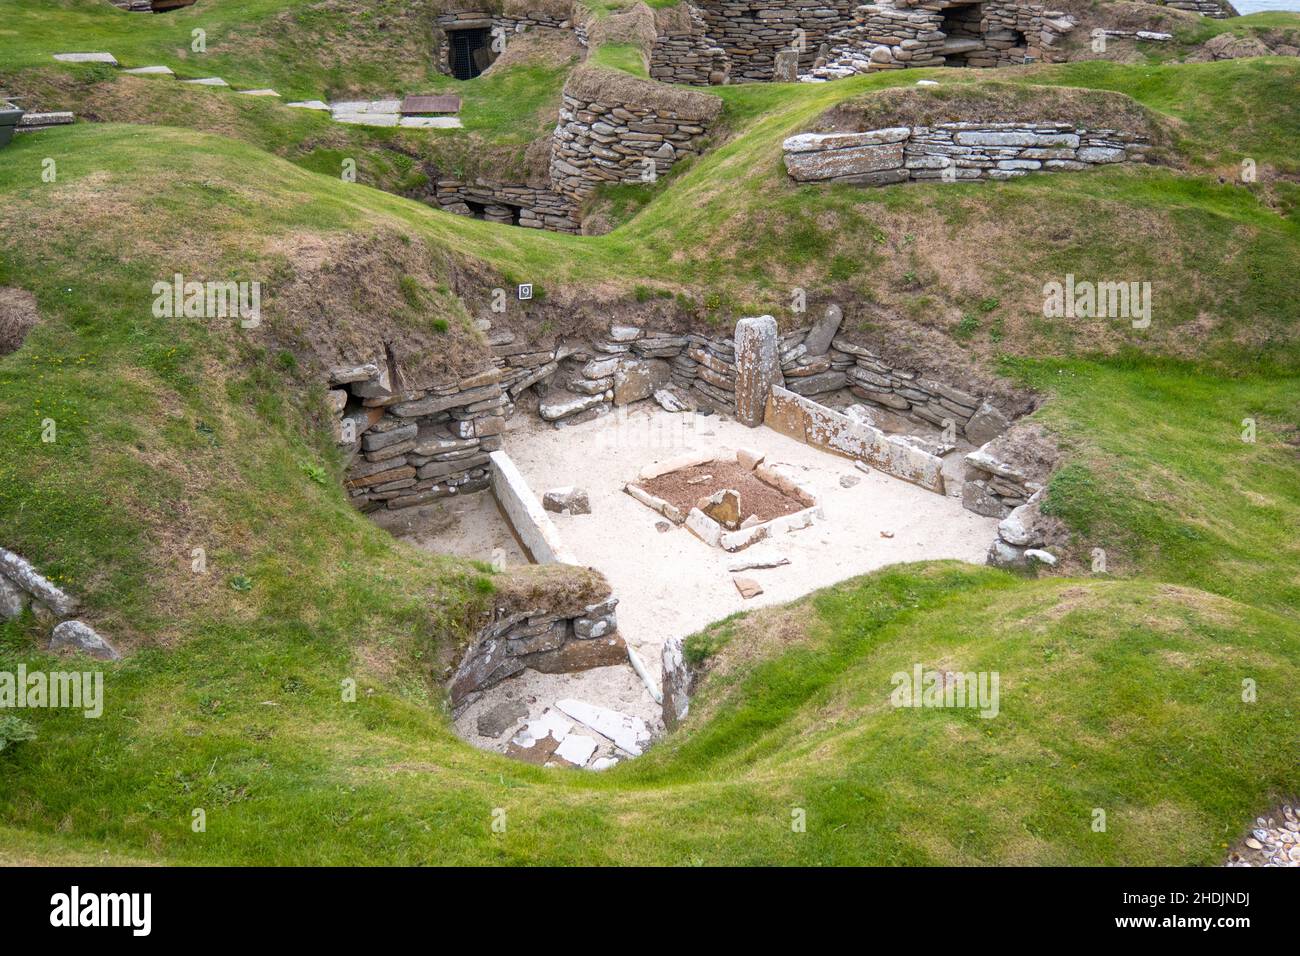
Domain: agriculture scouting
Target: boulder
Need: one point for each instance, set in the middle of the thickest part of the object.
(819, 338)
(1003, 555)
(635, 379)
(82, 637)
(568, 500)
(1021, 527)
(13, 599)
(723, 507)
(499, 718)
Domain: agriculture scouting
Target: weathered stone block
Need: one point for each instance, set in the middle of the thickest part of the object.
(758, 367)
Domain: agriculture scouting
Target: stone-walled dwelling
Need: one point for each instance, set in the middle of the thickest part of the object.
(684, 52)
(898, 34)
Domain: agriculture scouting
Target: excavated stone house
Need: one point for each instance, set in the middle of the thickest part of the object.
(718, 41)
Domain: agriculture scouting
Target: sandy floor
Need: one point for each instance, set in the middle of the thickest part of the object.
(469, 527)
(670, 583)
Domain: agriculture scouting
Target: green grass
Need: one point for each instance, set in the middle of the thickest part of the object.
(1119, 691)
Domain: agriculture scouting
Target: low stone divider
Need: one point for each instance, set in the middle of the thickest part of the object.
(806, 421)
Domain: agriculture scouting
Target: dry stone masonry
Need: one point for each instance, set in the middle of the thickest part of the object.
(753, 33)
(531, 207)
(956, 151)
(898, 34)
(548, 641)
(683, 52)
(413, 447)
(618, 129)
(518, 19)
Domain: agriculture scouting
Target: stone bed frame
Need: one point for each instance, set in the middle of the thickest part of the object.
(711, 532)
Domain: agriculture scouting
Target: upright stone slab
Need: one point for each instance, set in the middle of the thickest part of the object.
(786, 66)
(757, 365)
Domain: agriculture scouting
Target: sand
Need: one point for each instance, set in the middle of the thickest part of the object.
(669, 583)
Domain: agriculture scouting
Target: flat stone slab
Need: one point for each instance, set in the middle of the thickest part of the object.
(576, 749)
(629, 733)
(150, 71)
(207, 81)
(432, 122)
(86, 58)
(367, 106)
(257, 92)
(42, 120)
(367, 119)
(310, 105)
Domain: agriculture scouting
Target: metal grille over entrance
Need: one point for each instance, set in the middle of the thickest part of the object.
(470, 52)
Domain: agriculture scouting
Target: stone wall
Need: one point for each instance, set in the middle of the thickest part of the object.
(751, 33)
(619, 129)
(685, 53)
(531, 207)
(1217, 9)
(552, 641)
(897, 35)
(965, 151)
(875, 382)
(412, 447)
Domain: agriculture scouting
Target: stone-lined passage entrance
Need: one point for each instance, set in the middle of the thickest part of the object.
(469, 51)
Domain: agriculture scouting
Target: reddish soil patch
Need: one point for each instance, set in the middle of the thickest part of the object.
(756, 497)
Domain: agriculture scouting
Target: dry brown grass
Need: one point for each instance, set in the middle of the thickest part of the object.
(563, 589)
(18, 316)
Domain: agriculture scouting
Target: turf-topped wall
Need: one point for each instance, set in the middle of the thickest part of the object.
(956, 151)
(512, 19)
(615, 128)
(684, 52)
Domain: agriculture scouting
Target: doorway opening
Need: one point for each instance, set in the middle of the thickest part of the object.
(469, 52)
